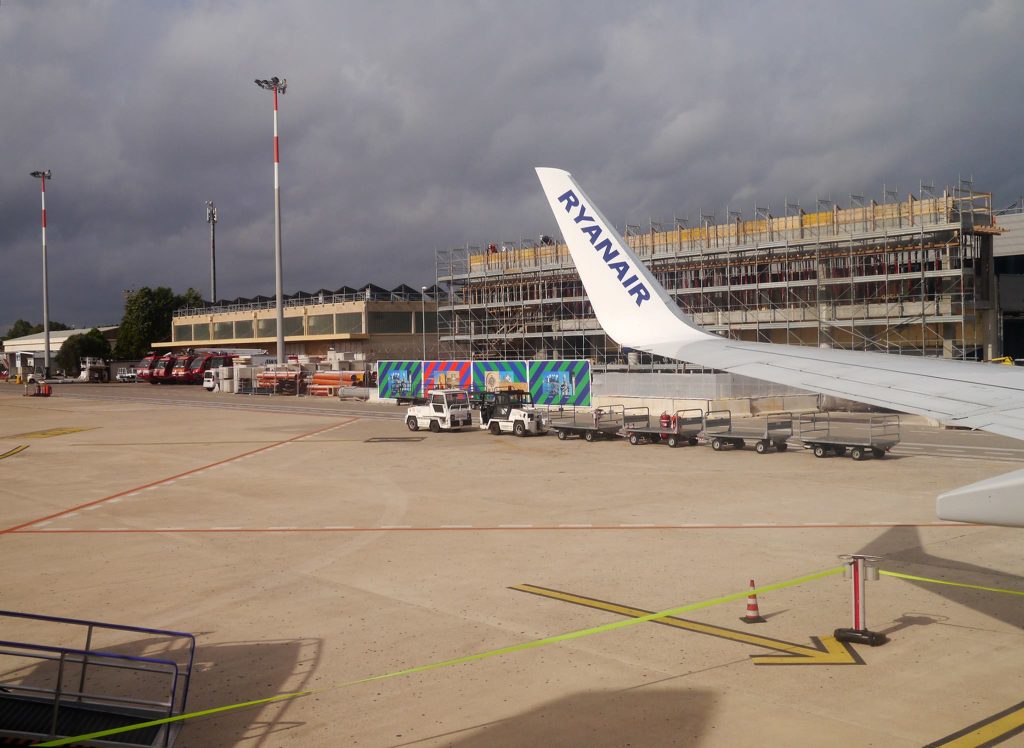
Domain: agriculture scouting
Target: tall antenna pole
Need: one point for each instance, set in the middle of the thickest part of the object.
(211, 218)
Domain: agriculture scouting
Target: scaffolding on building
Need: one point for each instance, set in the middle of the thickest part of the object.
(910, 276)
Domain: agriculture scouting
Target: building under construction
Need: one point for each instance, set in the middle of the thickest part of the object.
(911, 275)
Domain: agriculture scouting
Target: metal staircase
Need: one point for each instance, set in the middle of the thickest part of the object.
(121, 675)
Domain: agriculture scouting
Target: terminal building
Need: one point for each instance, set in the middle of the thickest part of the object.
(935, 273)
(912, 276)
(367, 323)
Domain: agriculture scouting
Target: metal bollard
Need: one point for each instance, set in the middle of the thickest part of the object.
(860, 569)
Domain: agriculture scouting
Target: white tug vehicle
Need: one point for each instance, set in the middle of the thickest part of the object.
(441, 410)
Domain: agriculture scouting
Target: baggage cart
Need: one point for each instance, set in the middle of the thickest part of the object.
(722, 430)
(827, 436)
(682, 427)
(600, 423)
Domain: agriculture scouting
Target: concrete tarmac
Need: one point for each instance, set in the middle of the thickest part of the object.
(310, 544)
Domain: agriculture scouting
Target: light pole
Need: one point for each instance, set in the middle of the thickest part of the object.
(42, 176)
(423, 320)
(211, 218)
(277, 85)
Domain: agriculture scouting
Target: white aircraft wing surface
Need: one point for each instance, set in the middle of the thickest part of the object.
(636, 311)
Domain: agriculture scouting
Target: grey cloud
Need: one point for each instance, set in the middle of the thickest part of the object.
(410, 127)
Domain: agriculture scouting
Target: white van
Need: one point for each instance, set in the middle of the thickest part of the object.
(210, 381)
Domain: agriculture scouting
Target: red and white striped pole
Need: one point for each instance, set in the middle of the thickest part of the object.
(42, 176)
(858, 568)
(858, 608)
(277, 86)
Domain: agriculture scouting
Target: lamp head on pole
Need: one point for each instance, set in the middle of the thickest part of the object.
(211, 212)
(280, 84)
(43, 174)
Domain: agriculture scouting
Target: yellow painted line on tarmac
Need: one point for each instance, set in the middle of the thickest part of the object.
(824, 650)
(447, 663)
(16, 450)
(913, 578)
(47, 433)
(990, 731)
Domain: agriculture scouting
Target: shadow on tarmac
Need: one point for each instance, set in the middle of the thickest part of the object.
(654, 716)
(902, 549)
(222, 674)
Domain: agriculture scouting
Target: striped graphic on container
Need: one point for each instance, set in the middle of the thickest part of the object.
(399, 378)
(447, 375)
(487, 375)
(560, 382)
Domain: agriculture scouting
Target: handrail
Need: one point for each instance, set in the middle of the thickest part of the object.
(178, 673)
(101, 697)
(83, 622)
(83, 657)
(91, 625)
(86, 652)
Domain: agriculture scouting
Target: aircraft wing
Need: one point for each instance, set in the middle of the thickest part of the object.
(980, 396)
(636, 311)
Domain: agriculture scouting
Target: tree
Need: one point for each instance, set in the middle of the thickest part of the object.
(19, 329)
(91, 344)
(147, 318)
(22, 327)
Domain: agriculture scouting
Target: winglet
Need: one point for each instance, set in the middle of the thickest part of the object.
(632, 307)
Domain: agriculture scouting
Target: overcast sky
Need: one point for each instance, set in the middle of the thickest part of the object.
(414, 126)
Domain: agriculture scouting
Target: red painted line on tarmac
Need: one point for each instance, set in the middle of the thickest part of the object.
(95, 502)
(244, 530)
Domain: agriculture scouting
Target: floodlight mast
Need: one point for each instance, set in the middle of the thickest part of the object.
(423, 319)
(277, 85)
(211, 218)
(42, 176)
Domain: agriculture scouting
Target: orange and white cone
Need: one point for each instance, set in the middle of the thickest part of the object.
(753, 614)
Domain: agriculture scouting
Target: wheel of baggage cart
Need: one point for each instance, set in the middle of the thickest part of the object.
(739, 444)
(781, 446)
(634, 439)
(495, 428)
(878, 452)
(672, 441)
(839, 450)
(519, 428)
(692, 441)
(412, 423)
(716, 444)
(820, 451)
(590, 435)
(435, 426)
(561, 435)
(761, 447)
(857, 453)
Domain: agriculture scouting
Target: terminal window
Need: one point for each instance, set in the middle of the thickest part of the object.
(348, 322)
(244, 329)
(390, 322)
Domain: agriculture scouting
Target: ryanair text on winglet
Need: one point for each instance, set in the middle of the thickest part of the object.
(608, 251)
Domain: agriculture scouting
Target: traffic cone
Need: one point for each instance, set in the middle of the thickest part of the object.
(753, 614)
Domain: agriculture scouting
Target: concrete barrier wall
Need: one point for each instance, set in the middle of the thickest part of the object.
(686, 386)
(739, 406)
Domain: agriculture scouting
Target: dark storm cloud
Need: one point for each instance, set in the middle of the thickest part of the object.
(410, 127)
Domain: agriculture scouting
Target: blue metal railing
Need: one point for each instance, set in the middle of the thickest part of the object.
(178, 673)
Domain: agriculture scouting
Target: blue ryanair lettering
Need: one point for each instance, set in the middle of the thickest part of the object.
(605, 248)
